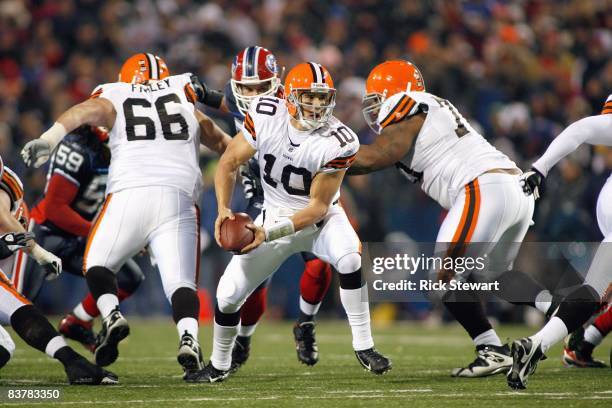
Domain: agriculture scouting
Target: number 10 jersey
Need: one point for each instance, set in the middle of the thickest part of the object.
(289, 159)
(156, 136)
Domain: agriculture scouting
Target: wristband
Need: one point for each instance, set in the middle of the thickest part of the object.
(279, 230)
(54, 135)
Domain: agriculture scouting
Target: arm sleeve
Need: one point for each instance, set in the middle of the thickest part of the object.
(594, 130)
(60, 193)
(341, 158)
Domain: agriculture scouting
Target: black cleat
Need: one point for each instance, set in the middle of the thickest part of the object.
(114, 329)
(526, 353)
(189, 354)
(579, 353)
(373, 361)
(79, 330)
(208, 374)
(82, 372)
(305, 343)
(240, 352)
(490, 360)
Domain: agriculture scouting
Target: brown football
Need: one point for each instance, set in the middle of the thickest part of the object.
(234, 233)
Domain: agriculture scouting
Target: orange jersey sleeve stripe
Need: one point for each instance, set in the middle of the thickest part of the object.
(94, 228)
(250, 126)
(398, 110)
(96, 94)
(14, 187)
(190, 93)
(6, 285)
(340, 162)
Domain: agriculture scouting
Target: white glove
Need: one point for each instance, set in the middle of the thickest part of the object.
(51, 263)
(36, 152)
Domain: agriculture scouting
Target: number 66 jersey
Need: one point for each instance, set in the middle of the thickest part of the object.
(289, 159)
(155, 138)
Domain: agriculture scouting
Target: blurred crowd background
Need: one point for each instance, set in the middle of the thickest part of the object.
(520, 71)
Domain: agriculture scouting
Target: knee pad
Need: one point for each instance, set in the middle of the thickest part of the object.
(349, 263)
(228, 300)
(101, 280)
(185, 303)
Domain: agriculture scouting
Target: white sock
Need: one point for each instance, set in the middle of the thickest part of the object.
(553, 332)
(246, 331)
(488, 337)
(55, 344)
(189, 325)
(357, 308)
(309, 308)
(107, 303)
(592, 335)
(543, 301)
(6, 342)
(81, 314)
(223, 342)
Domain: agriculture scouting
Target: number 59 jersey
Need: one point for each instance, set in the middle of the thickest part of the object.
(448, 152)
(155, 138)
(289, 159)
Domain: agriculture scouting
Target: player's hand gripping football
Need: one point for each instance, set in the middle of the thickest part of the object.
(533, 183)
(223, 214)
(36, 152)
(260, 237)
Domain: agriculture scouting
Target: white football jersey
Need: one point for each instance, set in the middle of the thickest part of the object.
(156, 136)
(289, 158)
(448, 153)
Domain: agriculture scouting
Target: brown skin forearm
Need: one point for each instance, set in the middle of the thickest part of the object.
(8, 223)
(213, 136)
(392, 145)
(93, 112)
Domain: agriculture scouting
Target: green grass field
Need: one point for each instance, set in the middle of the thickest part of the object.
(422, 359)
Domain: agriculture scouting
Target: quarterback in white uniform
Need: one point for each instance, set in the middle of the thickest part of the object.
(153, 185)
(579, 305)
(303, 154)
(429, 141)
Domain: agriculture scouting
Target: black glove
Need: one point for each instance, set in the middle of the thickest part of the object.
(208, 97)
(533, 183)
(12, 242)
(250, 182)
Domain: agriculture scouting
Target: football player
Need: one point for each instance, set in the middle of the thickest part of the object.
(431, 143)
(151, 194)
(255, 73)
(579, 305)
(304, 152)
(17, 310)
(62, 219)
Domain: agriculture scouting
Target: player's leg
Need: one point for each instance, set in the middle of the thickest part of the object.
(314, 284)
(7, 347)
(77, 325)
(338, 244)
(578, 351)
(242, 275)
(37, 332)
(116, 235)
(255, 305)
(250, 313)
(175, 244)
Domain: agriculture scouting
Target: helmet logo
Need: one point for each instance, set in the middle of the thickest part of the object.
(271, 64)
(234, 65)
